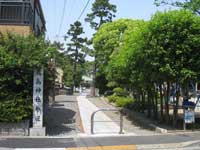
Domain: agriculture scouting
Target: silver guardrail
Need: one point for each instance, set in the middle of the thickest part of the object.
(107, 109)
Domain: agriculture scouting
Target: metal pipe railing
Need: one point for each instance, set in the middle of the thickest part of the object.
(107, 109)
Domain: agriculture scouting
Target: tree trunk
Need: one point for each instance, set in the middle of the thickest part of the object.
(75, 69)
(156, 104)
(143, 101)
(149, 104)
(139, 101)
(175, 116)
(161, 102)
(93, 85)
(74, 75)
(167, 103)
(153, 105)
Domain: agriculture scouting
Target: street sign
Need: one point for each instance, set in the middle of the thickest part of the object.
(189, 116)
(38, 97)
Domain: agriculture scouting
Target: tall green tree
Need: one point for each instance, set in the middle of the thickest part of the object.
(193, 5)
(172, 43)
(102, 11)
(162, 52)
(108, 41)
(76, 50)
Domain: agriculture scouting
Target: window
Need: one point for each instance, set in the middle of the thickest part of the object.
(15, 12)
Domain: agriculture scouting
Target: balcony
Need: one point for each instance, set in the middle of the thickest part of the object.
(22, 13)
(16, 13)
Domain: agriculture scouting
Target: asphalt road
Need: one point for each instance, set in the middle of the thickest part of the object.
(98, 141)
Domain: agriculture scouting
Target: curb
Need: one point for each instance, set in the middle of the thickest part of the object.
(158, 129)
(170, 146)
(148, 125)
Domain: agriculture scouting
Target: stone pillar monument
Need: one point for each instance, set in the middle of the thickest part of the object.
(38, 129)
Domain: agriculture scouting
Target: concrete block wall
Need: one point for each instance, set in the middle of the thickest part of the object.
(14, 129)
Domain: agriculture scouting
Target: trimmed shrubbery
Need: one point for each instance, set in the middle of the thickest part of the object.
(120, 98)
(119, 92)
(19, 56)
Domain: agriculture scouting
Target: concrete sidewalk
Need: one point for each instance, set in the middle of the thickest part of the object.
(86, 109)
(63, 118)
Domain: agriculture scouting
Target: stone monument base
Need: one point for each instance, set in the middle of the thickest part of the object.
(38, 131)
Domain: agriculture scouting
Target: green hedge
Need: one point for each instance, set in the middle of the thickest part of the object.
(15, 110)
(124, 101)
(112, 98)
(19, 56)
(120, 92)
(121, 101)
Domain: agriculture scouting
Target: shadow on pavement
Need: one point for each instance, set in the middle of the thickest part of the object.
(60, 121)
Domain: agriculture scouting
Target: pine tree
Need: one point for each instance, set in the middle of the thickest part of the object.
(75, 49)
(102, 12)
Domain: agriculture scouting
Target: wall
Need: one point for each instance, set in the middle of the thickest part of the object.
(17, 29)
(14, 129)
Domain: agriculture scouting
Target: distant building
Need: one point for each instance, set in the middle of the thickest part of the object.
(87, 79)
(22, 17)
(59, 77)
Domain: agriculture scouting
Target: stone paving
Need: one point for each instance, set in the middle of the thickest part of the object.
(63, 117)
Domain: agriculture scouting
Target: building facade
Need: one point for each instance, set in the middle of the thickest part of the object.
(22, 17)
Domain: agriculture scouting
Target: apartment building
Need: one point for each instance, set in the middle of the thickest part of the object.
(22, 17)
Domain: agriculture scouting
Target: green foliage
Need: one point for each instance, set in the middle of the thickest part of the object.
(112, 98)
(107, 43)
(108, 39)
(76, 51)
(67, 67)
(151, 56)
(14, 109)
(119, 92)
(124, 101)
(173, 40)
(121, 101)
(19, 57)
(193, 5)
(120, 64)
(161, 49)
(102, 12)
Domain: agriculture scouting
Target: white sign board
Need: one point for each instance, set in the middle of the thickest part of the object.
(38, 97)
(189, 116)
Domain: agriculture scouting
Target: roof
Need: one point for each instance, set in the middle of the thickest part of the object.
(42, 13)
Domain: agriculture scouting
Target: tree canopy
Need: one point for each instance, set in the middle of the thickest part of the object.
(149, 56)
(193, 5)
(76, 50)
(102, 12)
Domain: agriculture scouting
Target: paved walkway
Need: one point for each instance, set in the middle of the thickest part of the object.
(63, 117)
(86, 109)
(129, 126)
(71, 115)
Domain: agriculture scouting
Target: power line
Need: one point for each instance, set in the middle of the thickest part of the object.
(84, 9)
(55, 14)
(62, 18)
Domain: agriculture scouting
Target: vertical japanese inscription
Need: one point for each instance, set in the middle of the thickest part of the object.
(38, 97)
